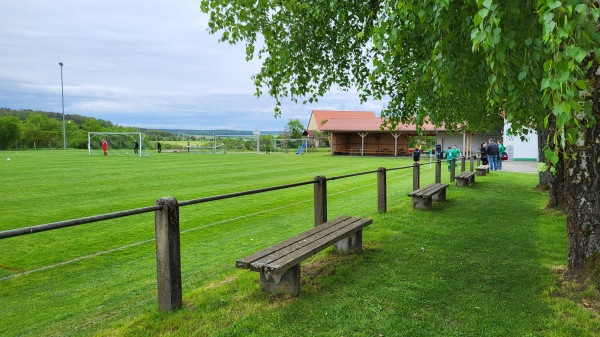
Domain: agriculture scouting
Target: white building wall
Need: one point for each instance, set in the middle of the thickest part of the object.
(518, 149)
(450, 139)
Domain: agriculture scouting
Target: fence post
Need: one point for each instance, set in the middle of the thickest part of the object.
(168, 258)
(478, 160)
(320, 200)
(416, 176)
(381, 190)
(463, 163)
(452, 169)
(472, 163)
(438, 171)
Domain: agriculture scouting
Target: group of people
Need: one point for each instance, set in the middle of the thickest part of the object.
(136, 147)
(452, 153)
(491, 153)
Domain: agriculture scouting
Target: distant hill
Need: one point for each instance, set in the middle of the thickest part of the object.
(79, 120)
(217, 132)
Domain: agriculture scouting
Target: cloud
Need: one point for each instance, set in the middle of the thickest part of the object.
(147, 63)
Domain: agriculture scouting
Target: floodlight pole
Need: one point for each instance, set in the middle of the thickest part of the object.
(62, 95)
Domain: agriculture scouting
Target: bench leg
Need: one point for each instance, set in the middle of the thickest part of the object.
(286, 283)
(421, 203)
(440, 196)
(351, 244)
(481, 172)
(472, 179)
(461, 182)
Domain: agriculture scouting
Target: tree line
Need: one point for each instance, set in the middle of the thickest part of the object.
(29, 129)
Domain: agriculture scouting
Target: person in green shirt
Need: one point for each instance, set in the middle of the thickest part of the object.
(457, 153)
(449, 157)
(501, 150)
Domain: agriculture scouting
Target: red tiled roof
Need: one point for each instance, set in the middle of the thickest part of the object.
(324, 115)
(369, 124)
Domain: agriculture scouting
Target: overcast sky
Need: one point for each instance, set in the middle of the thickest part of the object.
(144, 63)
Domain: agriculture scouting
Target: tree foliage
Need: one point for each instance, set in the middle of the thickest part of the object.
(294, 129)
(11, 130)
(453, 62)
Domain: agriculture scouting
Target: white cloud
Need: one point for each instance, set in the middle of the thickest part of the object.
(147, 63)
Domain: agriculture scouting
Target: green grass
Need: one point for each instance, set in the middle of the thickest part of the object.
(459, 270)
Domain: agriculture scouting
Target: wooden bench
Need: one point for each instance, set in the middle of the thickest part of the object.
(279, 265)
(423, 197)
(463, 179)
(483, 170)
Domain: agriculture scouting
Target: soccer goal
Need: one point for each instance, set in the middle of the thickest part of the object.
(119, 143)
(239, 143)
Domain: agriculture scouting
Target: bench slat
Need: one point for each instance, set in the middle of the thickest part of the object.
(293, 255)
(248, 260)
(428, 190)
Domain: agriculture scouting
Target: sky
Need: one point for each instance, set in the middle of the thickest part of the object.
(148, 64)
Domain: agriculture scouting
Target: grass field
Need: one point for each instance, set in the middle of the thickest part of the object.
(482, 264)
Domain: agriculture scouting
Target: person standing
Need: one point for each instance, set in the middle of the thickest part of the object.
(105, 146)
(449, 157)
(483, 154)
(159, 147)
(492, 154)
(501, 150)
(417, 154)
(136, 147)
(456, 153)
(438, 151)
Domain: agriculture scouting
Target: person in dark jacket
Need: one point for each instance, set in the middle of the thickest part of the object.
(438, 151)
(417, 154)
(483, 154)
(492, 154)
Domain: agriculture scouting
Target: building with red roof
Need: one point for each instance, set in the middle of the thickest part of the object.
(361, 133)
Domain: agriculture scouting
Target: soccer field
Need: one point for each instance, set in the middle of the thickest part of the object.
(74, 280)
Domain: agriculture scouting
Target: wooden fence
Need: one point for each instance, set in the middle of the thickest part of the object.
(166, 219)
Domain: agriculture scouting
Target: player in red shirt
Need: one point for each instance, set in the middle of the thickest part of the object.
(105, 147)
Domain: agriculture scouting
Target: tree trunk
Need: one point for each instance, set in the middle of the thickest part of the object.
(545, 176)
(582, 191)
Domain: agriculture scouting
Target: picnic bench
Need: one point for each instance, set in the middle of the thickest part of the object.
(483, 170)
(463, 179)
(279, 265)
(423, 197)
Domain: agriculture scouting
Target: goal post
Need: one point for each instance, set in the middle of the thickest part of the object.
(118, 142)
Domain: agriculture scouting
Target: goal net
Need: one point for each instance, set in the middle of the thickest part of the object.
(119, 143)
(238, 143)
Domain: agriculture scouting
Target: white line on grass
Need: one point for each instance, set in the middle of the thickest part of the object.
(182, 232)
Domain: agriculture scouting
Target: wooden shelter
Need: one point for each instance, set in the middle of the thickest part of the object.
(364, 136)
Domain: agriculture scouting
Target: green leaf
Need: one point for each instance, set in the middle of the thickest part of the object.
(551, 156)
(581, 54)
(581, 8)
(483, 12)
(552, 4)
(545, 83)
(487, 3)
(581, 84)
(547, 65)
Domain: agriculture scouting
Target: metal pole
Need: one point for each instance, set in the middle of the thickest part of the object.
(62, 95)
